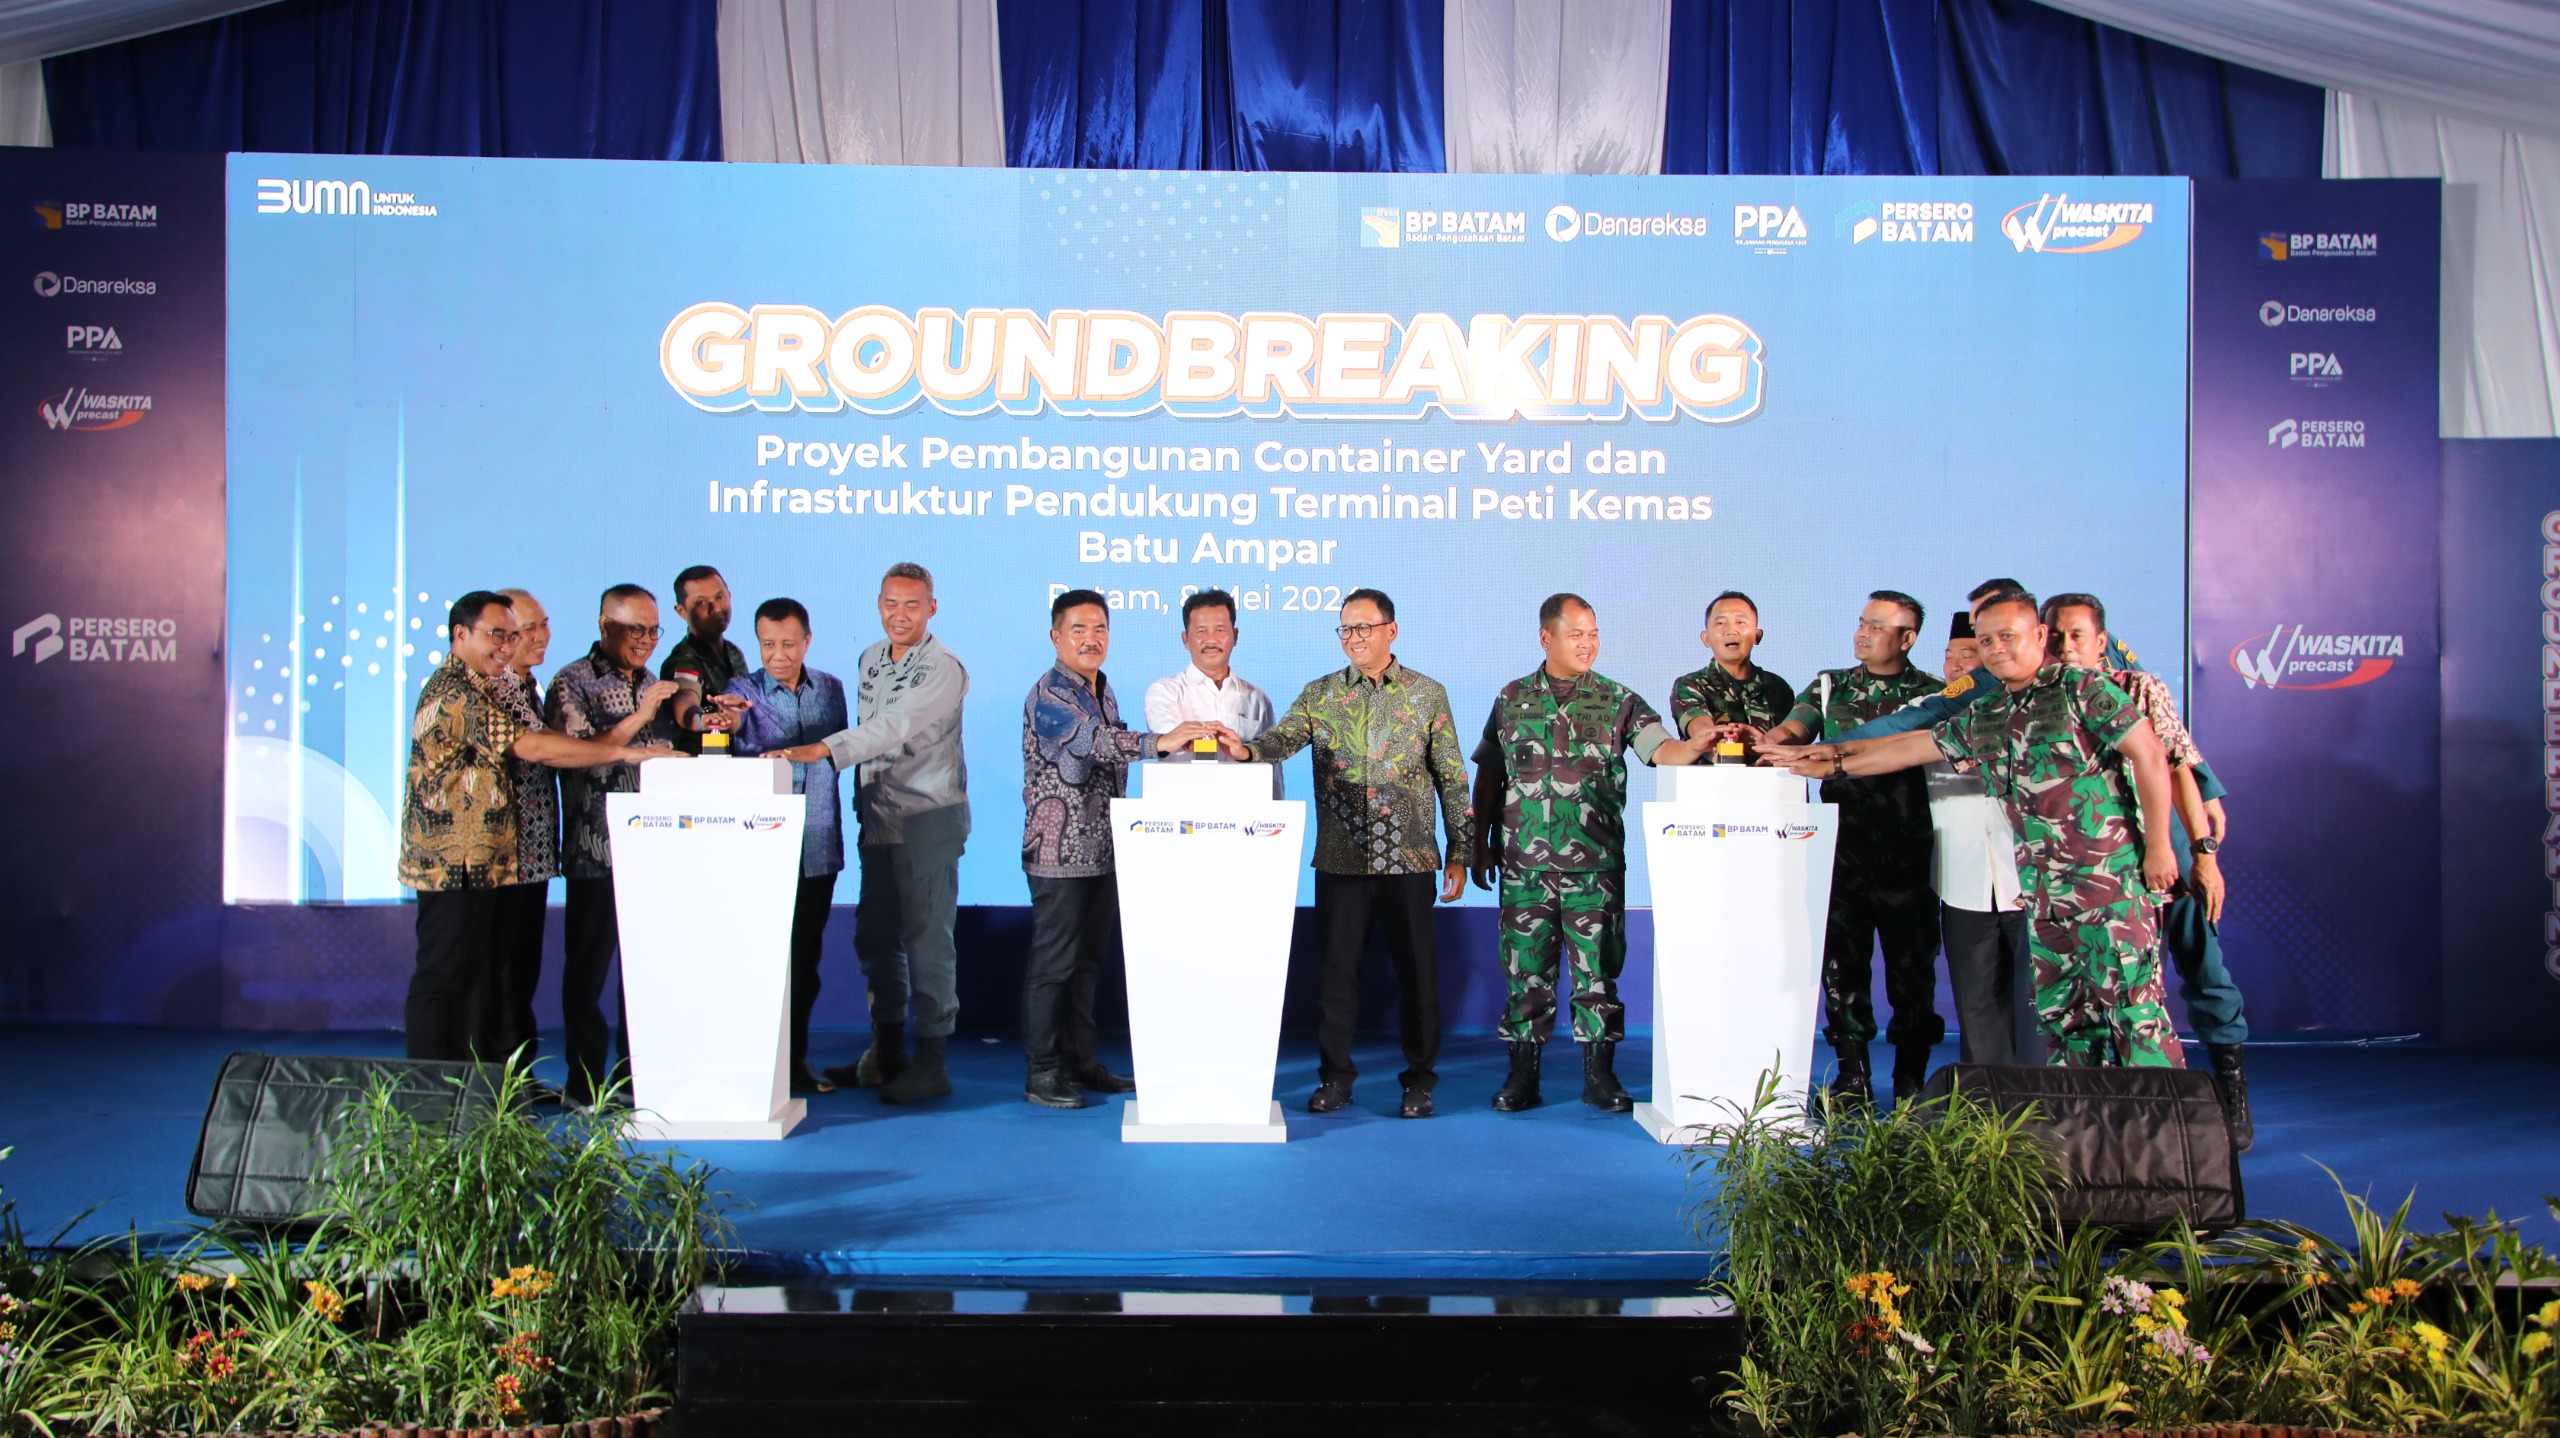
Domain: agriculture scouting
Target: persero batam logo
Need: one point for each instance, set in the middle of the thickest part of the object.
(338, 197)
(79, 409)
(1909, 222)
(1769, 229)
(1199, 365)
(2277, 312)
(2293, 657)
(95, 215)
(87, 639)
(1385, 229)
(2316, 434)
(48, 284)
(2061, 225)
(2281, 246)
(1566, 223)
(1154, 826)
(650, 821)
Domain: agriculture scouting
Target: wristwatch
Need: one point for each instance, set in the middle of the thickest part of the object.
(2206, 845)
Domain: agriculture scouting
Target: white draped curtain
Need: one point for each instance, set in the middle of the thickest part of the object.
(861, 82)
(1555, 87)
(23, 120)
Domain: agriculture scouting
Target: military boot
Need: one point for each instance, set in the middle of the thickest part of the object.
(923, 1079)
(883, 1061)
(1520, 1090)
(1910, 1071)
(1600, 1086)
(2231, 1081)
(1854, 1085)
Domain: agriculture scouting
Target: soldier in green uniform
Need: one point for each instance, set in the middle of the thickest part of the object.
(1550, 820)
(2086, 784)
(1880, 894)
(1731, 697)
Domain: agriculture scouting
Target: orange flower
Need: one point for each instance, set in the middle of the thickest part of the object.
(2357, 1307)
(324, 1300)
(2405, 1287)
(195, 1282)
(2378, 1297)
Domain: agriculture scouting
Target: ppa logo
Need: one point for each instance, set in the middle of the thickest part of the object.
(1769, 228)
(92, 342)
(2294, 657)
(2061, 225)
(2313, 367)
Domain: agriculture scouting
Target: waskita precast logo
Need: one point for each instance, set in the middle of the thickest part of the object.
(2061, 225)
(80, 409)
(338, 197)
(2295, 657)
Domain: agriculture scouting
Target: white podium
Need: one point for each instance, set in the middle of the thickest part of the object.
(1741, 870)
(1207, 865)
(706, 864)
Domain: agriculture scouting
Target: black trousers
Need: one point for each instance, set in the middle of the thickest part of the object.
(809, 911)
(1073, 924)
(1904, 922)
(1346, 904)
(1993, 980)
(507, 1025)
(590, 937)
(456, 933)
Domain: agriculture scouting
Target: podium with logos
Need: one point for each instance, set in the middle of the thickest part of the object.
(1207, 866)
(1741, 867)
(706, 865)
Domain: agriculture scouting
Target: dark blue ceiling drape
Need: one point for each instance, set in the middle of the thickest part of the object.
(1222, 84)
(592, 79)
(1965, 87)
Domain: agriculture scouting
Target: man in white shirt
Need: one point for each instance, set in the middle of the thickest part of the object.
(1207, 691)
(1974, 867)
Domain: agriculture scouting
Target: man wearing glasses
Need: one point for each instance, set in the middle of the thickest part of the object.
(459, 837)
(1385, 748)
(607, 695)
(1880, 881)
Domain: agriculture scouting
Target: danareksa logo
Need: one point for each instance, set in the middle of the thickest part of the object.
(2293, 657)
(2061, 225)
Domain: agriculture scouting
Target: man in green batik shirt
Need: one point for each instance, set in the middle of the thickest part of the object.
(2086, 784)
(1880, 893)
(1385, 750)
(1551, 809)
(1732, 697)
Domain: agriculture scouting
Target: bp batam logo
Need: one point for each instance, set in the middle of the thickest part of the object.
(95, 215)
(706, 821)
(1384, 228)
(2284, 246)
(2061, 225)
(2294, 656)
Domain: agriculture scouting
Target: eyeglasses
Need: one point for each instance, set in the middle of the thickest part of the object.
(501, 637)
(1878, 626)
(1357, 631)
(644, 631)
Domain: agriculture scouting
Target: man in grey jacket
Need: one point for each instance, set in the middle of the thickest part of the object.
(912, 800)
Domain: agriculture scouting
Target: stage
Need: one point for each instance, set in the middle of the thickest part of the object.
(984, 1187)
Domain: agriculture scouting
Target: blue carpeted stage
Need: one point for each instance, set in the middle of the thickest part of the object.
(983, 1185)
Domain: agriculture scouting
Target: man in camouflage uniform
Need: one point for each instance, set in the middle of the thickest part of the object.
(2086, 784)
(1550, 817)
(1880, 893)
(1731, 696)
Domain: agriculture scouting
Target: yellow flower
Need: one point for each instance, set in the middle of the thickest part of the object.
(2536, 1344)
(2436, 1339)
(195, 1282)
(230, 1281)
(2548, 1315)
(2317, 1278)
(2173, 1298)
(324, 1300)
(2309, 1245)
(9, 1333)
(2405, 1287)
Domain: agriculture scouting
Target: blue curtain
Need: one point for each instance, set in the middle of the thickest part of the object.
(1222, 84)
(591, 79)
(1964, 87)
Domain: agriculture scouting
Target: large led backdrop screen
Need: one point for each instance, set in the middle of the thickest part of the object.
(1468, 391)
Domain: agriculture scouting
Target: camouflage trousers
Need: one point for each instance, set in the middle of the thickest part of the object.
(2098, 986)
(1903, 922)
(1550, 920)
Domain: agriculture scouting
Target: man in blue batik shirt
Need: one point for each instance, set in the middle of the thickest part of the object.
(792, 704)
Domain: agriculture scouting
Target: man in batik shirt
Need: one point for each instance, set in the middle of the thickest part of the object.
(1880, 894)
(1551, 821)
(1385, 750)
(2086, 784)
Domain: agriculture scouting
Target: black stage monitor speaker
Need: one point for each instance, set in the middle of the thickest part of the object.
(273, 1116)
(2140, 1148)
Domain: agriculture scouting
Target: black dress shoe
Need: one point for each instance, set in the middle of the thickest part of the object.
(1331, 1096)
(1094, 1078)
(1417, 1104)
(1050, 1089)
(805, 1083)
